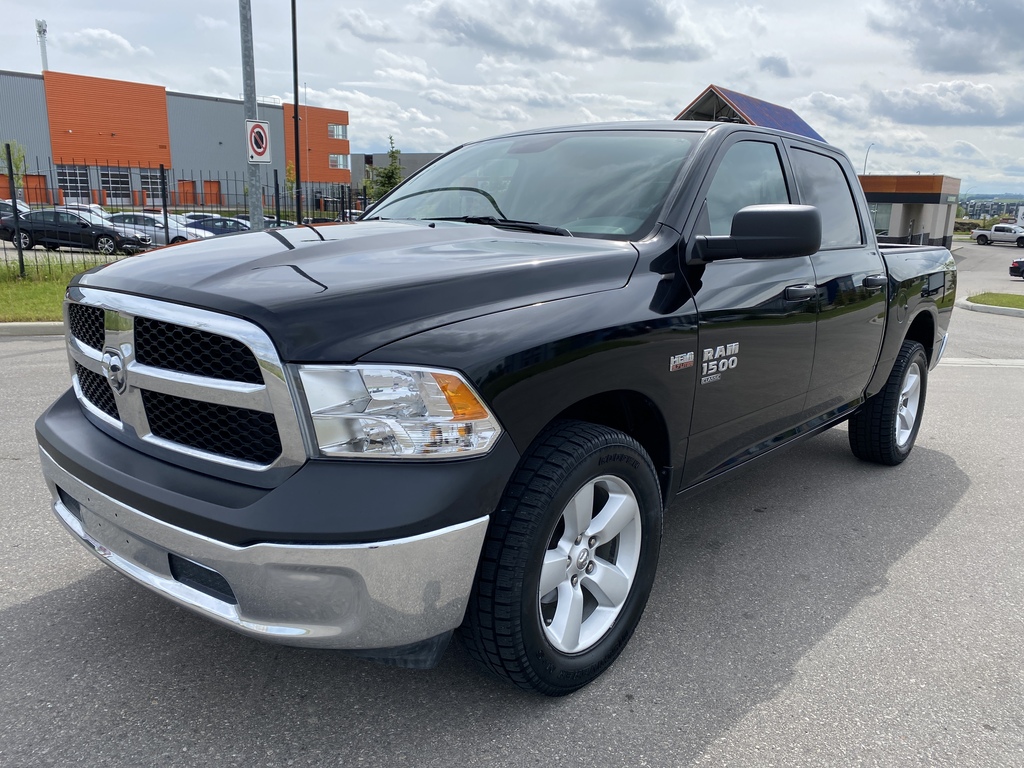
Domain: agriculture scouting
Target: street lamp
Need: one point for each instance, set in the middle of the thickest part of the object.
(866, 158)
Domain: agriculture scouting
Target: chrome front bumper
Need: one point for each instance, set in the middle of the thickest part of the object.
(382, 595)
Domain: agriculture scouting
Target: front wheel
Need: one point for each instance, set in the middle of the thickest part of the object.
(105, 244)
(1020, 242)
(885, 428)
(568, 562)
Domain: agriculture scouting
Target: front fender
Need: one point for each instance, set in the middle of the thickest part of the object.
(533, 363)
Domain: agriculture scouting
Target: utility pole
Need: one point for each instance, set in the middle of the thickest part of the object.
(255, 186)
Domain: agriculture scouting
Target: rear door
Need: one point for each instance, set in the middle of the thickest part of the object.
(757, 320)
(851, 279)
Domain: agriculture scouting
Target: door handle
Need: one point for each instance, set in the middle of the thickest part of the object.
(875, 281)
(800, 292)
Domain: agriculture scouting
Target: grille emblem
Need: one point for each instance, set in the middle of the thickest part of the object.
(114, 370)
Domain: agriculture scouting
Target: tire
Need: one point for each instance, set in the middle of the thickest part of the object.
(27, 243)
(552, 608)
(53, 247)
(106, 245)
(1020, 242)
(885, 428)
(982, 240)
(178, 239)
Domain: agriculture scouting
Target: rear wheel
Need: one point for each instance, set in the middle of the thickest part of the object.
(568, 562)
(982, 240)
(26, 240)
(885, 428)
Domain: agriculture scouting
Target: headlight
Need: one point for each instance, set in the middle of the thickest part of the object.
(383, 411)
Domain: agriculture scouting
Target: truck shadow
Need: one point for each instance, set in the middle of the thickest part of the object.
(753, 575)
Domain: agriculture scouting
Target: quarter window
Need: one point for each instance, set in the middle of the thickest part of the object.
(823, 184)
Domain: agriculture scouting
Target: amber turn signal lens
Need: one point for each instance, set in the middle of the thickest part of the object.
(465, 406)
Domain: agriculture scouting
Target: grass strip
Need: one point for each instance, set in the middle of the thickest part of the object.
(36, 297)
(1011, 300)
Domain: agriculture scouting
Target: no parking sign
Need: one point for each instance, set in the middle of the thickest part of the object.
(257, 141)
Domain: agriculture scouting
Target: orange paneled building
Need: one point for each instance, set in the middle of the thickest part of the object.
(90, 139)
(323, 135)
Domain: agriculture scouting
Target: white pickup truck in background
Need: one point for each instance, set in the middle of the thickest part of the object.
(1000, 233)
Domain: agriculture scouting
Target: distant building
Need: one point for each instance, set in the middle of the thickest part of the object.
(363, 166)
(913, 209)
(90, 139)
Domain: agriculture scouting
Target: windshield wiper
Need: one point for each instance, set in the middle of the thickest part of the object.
(494, 221)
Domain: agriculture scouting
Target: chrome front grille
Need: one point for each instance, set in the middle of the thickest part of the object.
(183, 382)
(97, 391)
(190, 350)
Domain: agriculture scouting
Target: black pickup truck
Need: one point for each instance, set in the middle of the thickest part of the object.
(468, 410)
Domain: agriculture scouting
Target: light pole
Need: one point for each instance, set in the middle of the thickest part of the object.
(866, 158)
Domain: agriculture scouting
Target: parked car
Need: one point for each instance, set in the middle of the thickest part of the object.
(101, 216)
(7, 209)
(1017, 268)
(1000, 233)
(92, 208)
(222, 225)
(153, 225)
(56, 227)
(200, 215)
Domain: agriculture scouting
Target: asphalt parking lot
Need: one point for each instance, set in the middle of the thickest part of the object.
(814, 611)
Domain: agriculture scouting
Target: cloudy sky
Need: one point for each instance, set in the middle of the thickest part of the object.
(936, 86)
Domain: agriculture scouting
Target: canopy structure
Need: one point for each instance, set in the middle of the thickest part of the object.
(718, 104)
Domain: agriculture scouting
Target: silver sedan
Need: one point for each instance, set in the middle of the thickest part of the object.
(153, 225)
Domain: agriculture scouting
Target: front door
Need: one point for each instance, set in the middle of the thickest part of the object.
(757, 322)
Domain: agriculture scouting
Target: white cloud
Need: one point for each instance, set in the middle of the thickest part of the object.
(99, 42)
(206, 22)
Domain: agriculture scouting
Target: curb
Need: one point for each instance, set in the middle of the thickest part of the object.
(1007, 311)
(31, 329)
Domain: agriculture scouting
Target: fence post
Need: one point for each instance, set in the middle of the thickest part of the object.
(16, 213)
(277, 198)
(163, 195)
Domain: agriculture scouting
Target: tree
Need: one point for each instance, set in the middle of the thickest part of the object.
(388, 177)
(289, 179)
(17, 159)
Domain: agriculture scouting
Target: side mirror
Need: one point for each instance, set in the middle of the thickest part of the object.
(764, 232)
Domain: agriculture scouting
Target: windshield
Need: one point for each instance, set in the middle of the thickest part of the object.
(608, 184)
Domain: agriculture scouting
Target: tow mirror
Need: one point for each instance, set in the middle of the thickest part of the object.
(764, 232)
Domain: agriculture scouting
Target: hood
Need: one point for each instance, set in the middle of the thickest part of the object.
(333, 293)
(126, 230)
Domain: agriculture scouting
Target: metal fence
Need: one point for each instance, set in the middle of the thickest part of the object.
(133, 188)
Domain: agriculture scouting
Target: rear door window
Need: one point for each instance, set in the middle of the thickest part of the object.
(823, 184)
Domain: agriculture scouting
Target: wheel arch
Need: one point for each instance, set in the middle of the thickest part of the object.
(636, 415)
(922, 330)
